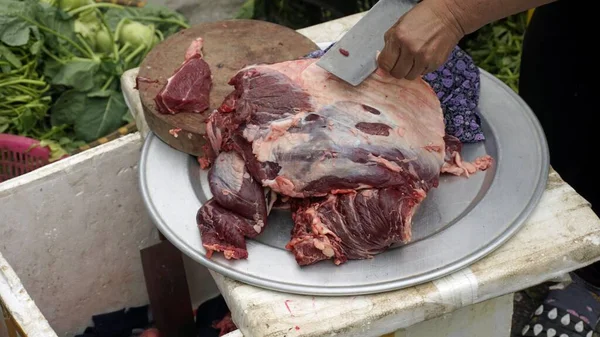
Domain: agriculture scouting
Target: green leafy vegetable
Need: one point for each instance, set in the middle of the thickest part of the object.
(15, 25)
(103, 115)
(88, 25)
(68, 5)
(165, 20)
(61, 62)
(136, 34)
(128, 118)
(78, 74)
(10, 57)
(56, 149)
(67, 107)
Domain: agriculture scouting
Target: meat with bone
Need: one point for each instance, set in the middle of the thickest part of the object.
(356, 161)
(188, 89)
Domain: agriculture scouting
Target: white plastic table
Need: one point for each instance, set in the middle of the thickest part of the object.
(562, 235)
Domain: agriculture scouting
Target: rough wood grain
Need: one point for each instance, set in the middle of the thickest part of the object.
(228, 46)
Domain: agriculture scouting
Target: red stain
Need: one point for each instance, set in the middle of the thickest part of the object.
(297, 327)
(344, 52)
(288, 307)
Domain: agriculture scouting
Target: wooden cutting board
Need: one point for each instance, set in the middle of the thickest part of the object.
(228, 46)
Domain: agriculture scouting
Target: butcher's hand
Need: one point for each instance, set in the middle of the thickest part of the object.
(420, 41)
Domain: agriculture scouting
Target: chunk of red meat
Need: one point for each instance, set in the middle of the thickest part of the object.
(188, 89)
(355, 225)
(237, 210)
(356, 161)
(258, 97)
(234, 189)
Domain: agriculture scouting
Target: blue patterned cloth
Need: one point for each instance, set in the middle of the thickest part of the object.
(456, 84)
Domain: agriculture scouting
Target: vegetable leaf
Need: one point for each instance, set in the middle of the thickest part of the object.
(10, 57)
(51, 68)
(4, 124)
(128, 117)
(165, 19)
(68, 107)
(36, 47)
(102, 116)
(56, 19)
(14, 30)
(78, 74)
(246, 11)
(56, 150)
(78, 97)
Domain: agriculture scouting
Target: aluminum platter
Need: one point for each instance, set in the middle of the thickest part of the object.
(460, 222)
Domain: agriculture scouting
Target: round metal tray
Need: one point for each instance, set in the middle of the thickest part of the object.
(461, 221)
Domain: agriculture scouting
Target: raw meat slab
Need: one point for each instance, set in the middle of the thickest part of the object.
(228, 46)
(460, 222)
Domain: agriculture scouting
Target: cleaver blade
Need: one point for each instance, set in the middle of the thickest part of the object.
(354, 57)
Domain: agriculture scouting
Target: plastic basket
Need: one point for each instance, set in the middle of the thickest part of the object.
(20, 155)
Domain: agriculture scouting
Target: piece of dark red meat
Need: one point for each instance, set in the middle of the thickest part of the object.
(233, 187)
(354, 225)
(355, 161)
(237, 210)
(188, 89)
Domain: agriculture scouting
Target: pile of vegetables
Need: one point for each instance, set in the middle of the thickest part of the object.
(61, 62)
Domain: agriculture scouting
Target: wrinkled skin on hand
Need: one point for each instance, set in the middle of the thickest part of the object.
(420, 41)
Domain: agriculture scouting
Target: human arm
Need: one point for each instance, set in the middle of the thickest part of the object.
(421, 40)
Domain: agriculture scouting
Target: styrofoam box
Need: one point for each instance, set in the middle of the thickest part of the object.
(72, 232)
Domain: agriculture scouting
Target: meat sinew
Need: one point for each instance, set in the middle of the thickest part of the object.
(188, 89)
(355, 161)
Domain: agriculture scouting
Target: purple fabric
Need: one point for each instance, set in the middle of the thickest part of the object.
(456, 84)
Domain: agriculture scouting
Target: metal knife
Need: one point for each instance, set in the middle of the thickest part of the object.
(354, 57)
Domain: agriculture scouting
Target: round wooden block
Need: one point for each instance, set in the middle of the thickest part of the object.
(228, 46)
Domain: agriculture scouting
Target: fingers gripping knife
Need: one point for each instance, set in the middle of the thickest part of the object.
(354, 57)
